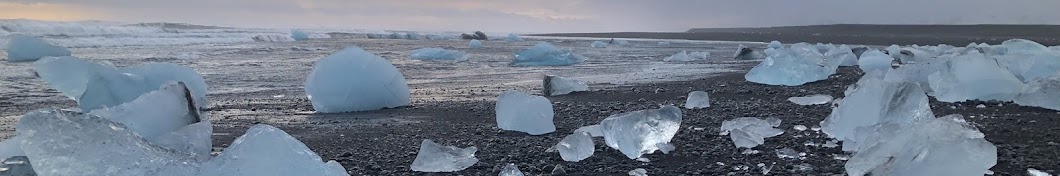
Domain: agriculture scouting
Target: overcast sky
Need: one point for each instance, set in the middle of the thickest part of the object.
(538, 15)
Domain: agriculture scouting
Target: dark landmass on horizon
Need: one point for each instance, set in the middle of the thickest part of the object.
(865, 34)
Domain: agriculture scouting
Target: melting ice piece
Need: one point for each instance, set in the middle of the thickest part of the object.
(544, 54)
(874, 60)
(576, 147)
(438, 54)
(748, 132)
(70, 143)
(17, 166)
(266, 150)
(11, 147)
(974, 76)
(936, 146)
(513, 38)
(1029, 60)
(193, 139)
(96, 86)
(355, 80)
(787, 153)
(811, 100)
(1036, 172)
(511, 170)
(697, 99)
(593, 130)
(272, 38)
(1041, 92)
(638, 172)
(680, 57)
(434, 157)
(336, 169)
(555, 85)
(641, 132)
(775, 45)
(791, 67)
(875, 101)
(699, 54)
(23, 48)
(299, 35)
(599, 44)
(744, 53)
(626, 42)
(155, 113)
(474, 44)
(518, 111)
(843, 54)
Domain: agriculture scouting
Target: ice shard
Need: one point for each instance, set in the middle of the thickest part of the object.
(791, 67)
(1042, 92)
(811, 99)
(697, 99)
(555, 85)
(598, 44)
(641, 132)
(936, 146)
(23, 48)
(576, 147)
(438, 54)
(544, 54)
(96, 86)
(974, 76)
(875, 101)
(748, 132)
(701, 55)
(266, 150)
(518, 111)
(434, 157)
(511, 170)
(355, 80)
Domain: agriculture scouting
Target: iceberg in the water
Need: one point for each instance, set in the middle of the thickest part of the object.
(474, 43)
(775, 45)
(874, 60)
(513, 38)
(299, 35)
(267, 150)
(438, 54)
(96, 86)
(355, 80)
(544, 54)
(273, 38)
(598, 44)
(748, 132)
(555, 85)
(974, 76)
(1042, 92)
(23, 48)
(697, 99)
(518, 111)
(744, 53)
(937, 146)
(434, 157)
(576, 147)
(811, 99)
(791, 67)
(642, 132)
(510, 170)
(875, 101)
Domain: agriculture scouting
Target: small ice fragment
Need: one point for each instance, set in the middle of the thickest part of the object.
(680, 57)
(434, 157)
(1041, 92)
(799, 127)
(787, 153)
(593, 130)
(775, 45)
(811, 100)
(474, 43)
(640, 132)
(355, 80)
(518, 111)
(555, 85)
(545, 54)
(511, 170)
(638, 172)
(644, 159)
(980, 106)
(1036, 172)
(23, 48)
(576, 147)
(744, 53)
(599, 44)
(512, 37)
(830, 144)
(438, 54)
(748, 132)
(974, 76)
(299, 35)
(697, 99)
(558, 170)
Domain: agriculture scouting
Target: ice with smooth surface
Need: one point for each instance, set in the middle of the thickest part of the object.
(545, 54)
(1029, 60)
(438, 54)
(23, 48)
(576, 147)
(155, 113)
(697, 99)
(641, 132)
(194, 139)
(791, 67)
(593, 130)
(748, 132)
(96, 86)
(355, 80)
(1042, 92)
(474, 43)
(513, 38)
(510, 170)
(434, 157)
(599, 44)
(519, 111)
(874, 60)
(69, 143)
(974, 76)
(875, 101)
(11, 147)
(562, 86)
(638, 172)
(938, 146)
(775, 45)
(811, 99)
(299, 35)
(266, 150)
(843, 54)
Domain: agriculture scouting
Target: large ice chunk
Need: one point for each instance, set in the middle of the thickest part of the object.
(576, 147)
(744, 53)
(1029, 60)
(937, 146)
(266, 150)
(974, 76)
(697, 99)
(96, 86)
(748, 132)
(434, 157)
(155, 113)
(555, 85)
(438, 54)
(544, 54)
(874, 60)
(299, 35)
(23, 48)
(641, 132)
(70, 143)
(876, 101)
(512, 37)
(598, 44)
(1042, 92)
(355, 80)
(518, 111)
(474, 43)
(791, 67)
(811, 99)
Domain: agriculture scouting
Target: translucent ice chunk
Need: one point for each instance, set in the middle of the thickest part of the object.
(874, 60)
(544, 54)
(474, 44)
(936, 146)
(697, 99)
(576, 147)
(299, 35)
(876, 101)
(96, 86)
(811, 99)
(598, 44)
(518, 111)
(23, 48)
(640, 132)
(638, 172)
(438, 54)
(701, 55)
(434, 157)
(266, 150)
(775, 45)
(355, 80)
(155, 113)
(11, 147)
(1041, 92)
(555, 85)
(593, 130)
(974, 76)
(511, 170)
(791, 67)
(513, 38)
(748, 132)
(843, 54)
